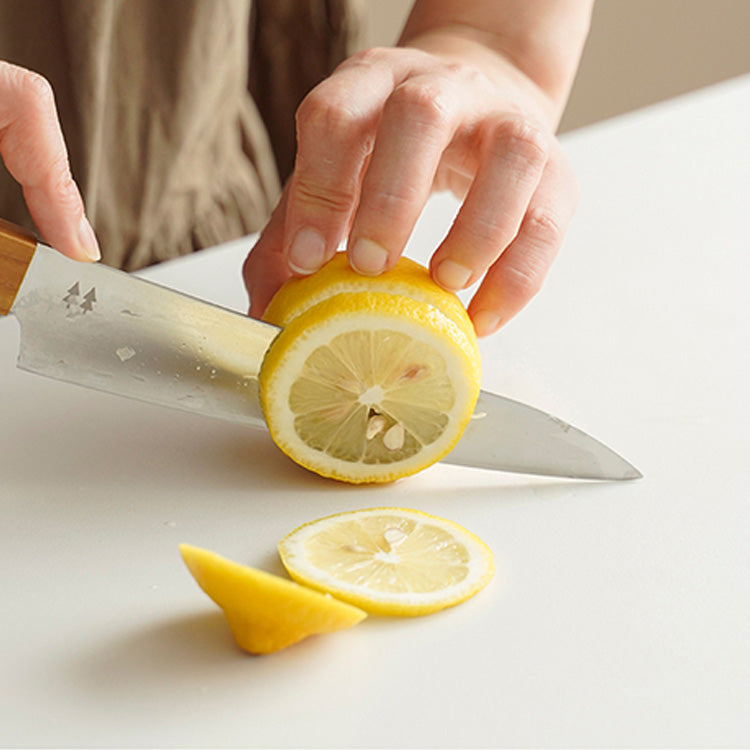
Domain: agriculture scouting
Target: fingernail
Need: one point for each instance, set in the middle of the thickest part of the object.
(486, 322)
(308, 251)
(367, 257)
(452, 275)
(87, 240)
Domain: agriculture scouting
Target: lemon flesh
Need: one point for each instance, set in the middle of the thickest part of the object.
(369, 386)
(264, 612)
(371, 378)
(389, 561)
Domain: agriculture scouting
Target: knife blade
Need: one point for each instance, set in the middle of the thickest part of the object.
(108, 330)
(536, 443)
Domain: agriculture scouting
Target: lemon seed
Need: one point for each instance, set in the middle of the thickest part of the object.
(394, 437)
(375, 425)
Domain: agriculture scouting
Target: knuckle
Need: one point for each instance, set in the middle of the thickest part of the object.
(457, 69)
(521, 137)
(59, 184)
(524, 281)
(31, 91)
(37, 89)
(477, 78)
(542, 234)
(489, 231)
(324, 115)
(542, 228)
(313, 195)
(368, 57)
(391, 201)
(427, 103)
(468, 76)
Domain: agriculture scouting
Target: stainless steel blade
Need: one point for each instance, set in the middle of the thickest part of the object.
(105, 329)
(507, 435)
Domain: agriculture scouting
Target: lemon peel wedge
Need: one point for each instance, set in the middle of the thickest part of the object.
(265, 613)
(389, 561)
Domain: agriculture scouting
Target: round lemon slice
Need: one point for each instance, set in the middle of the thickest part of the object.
(369, 386)
(265, 613)
(373, 378)
(389, 561)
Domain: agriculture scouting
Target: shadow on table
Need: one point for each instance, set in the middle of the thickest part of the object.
(92, 442)
(179, 654)
(193, 658)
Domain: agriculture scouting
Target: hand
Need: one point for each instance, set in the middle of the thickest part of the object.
(33, 150)
(387, 128)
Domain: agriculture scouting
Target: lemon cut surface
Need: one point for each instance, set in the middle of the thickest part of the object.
(389, 561)
(264, 612)
(368, 385)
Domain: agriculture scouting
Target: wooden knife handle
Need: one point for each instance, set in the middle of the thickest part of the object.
(17, 246)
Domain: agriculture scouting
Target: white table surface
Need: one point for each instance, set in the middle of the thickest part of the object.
(620, 614)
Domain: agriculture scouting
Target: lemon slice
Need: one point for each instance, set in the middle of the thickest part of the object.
(265, 613)
(407, 279)
(366, 383)
(389, 561)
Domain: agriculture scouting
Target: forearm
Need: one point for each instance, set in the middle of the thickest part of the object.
(537, 40)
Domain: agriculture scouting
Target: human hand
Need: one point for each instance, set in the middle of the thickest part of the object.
(33, 150)
(387, 128)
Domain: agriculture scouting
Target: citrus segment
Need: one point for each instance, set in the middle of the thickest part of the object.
(389, 561)
(265, 613)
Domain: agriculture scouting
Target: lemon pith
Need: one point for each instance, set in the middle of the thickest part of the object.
(264, 612)
(389, 561)
(368, 385)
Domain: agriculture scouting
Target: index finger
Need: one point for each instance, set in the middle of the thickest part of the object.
(33, 149)
(336, 126)
(334, 123)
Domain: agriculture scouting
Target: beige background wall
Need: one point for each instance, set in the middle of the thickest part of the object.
(638, 51)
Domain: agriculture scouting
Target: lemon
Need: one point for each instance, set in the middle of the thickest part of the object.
(407, 278)
(371, 378)
(265, 612)
(389, 561)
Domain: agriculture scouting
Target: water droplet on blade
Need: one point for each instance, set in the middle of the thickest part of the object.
(125, 353)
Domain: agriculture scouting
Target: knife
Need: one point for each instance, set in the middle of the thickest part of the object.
(95, 326)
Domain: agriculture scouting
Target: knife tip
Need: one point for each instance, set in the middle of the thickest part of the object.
(629, 472)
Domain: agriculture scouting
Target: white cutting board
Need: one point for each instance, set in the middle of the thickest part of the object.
(619, 613)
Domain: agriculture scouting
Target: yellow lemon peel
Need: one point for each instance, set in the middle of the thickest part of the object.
(265, 613)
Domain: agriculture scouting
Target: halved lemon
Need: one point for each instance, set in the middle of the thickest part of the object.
(369, 386)
(389, 561)
(265, 613)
